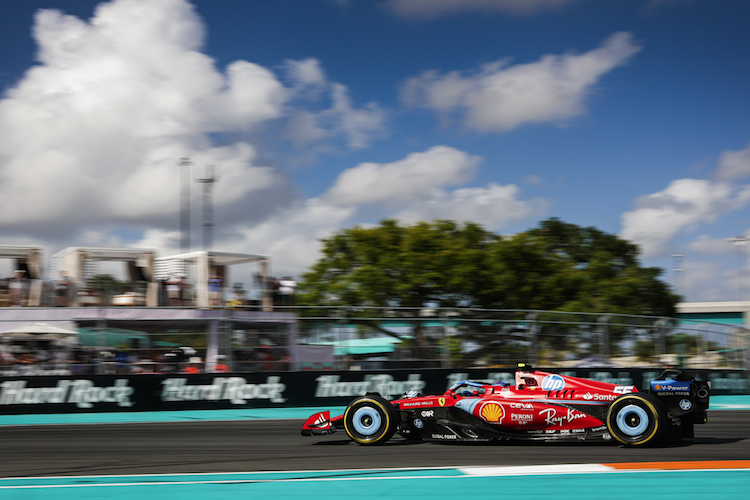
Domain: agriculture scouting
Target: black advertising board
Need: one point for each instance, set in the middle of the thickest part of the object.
(105, 393)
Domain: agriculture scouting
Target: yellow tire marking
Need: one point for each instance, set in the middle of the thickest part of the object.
(376, 403)
(656, 421)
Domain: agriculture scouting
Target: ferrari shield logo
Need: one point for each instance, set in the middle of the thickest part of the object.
(441, 401)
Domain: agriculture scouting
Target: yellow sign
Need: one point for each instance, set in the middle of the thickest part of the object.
(441, 401)
(492, 412)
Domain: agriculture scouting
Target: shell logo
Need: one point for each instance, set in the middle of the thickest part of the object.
(492, 412)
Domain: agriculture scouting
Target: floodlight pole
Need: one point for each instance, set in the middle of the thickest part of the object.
(738, 242)
(208, 213)
(679, 276)
(185, 165)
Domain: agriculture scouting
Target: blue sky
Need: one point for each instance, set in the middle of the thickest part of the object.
(629, 115)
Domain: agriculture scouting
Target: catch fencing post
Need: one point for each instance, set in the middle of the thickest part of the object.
(660, 325)
(446, 362)
(532, 352)
(603, 328)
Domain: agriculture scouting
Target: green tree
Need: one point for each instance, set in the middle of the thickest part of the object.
(440, 263)
(555, 267)
(563, 267)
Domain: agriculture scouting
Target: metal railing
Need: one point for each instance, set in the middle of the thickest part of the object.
(249, 339)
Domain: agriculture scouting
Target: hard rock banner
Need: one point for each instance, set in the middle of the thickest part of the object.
(153, 392)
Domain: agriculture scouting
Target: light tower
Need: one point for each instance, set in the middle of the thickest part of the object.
(208, 213)
(739, 241)
(185, 164)
(679, 276)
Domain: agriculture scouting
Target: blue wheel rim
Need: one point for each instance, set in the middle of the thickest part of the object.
(366, 421)
(632, 420)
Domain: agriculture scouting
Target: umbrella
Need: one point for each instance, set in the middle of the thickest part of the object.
(363, 346)
(38, 330)
(111, 337)
(188, 351)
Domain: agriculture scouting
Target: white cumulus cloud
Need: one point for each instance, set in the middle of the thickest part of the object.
(292, 236)
(416, 177)
(499, 97)
(494, 207)
(306, 73)
(306, 127)
(92, 133)
(707, 245)
(734, 165)
(660, 217)
(418, 188)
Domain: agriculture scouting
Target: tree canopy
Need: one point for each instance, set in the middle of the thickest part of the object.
(556, 266)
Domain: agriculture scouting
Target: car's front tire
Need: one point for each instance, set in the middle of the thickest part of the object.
(636, 419)
(370, 420)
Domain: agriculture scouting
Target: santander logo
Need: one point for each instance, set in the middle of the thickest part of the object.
(599, 397)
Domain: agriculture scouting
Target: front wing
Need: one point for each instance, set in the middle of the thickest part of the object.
(322, 424)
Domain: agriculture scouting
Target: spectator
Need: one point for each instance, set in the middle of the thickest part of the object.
(163, 293)
(16, 287)
(121, 358)
(6, 357)
(214, 290)
(26, 359)
(5, 298)
(239, 294)
(193, 367)
(221, 365)
(286, 290)
(174, 290)
(273, 289)
(61, 291)
(184, 292)
(41, 355)
(145, 366)
(169, 363)
(266, 358)
(259, 290)
(60, 358)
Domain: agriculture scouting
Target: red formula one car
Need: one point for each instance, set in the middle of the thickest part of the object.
(540, 406)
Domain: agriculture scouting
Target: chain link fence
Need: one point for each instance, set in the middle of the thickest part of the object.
(462, 338)
(292, 338)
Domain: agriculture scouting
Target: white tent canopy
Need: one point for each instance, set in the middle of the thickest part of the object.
(42, 331)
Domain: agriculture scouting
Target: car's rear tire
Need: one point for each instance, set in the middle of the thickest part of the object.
(370, 420)
(636, 419)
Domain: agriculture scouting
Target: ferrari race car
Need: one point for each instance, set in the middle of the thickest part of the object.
(540, 406)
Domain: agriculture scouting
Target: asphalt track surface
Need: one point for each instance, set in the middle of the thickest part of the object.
(276, 445)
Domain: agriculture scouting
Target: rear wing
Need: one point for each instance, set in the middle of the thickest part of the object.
(681, 392)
